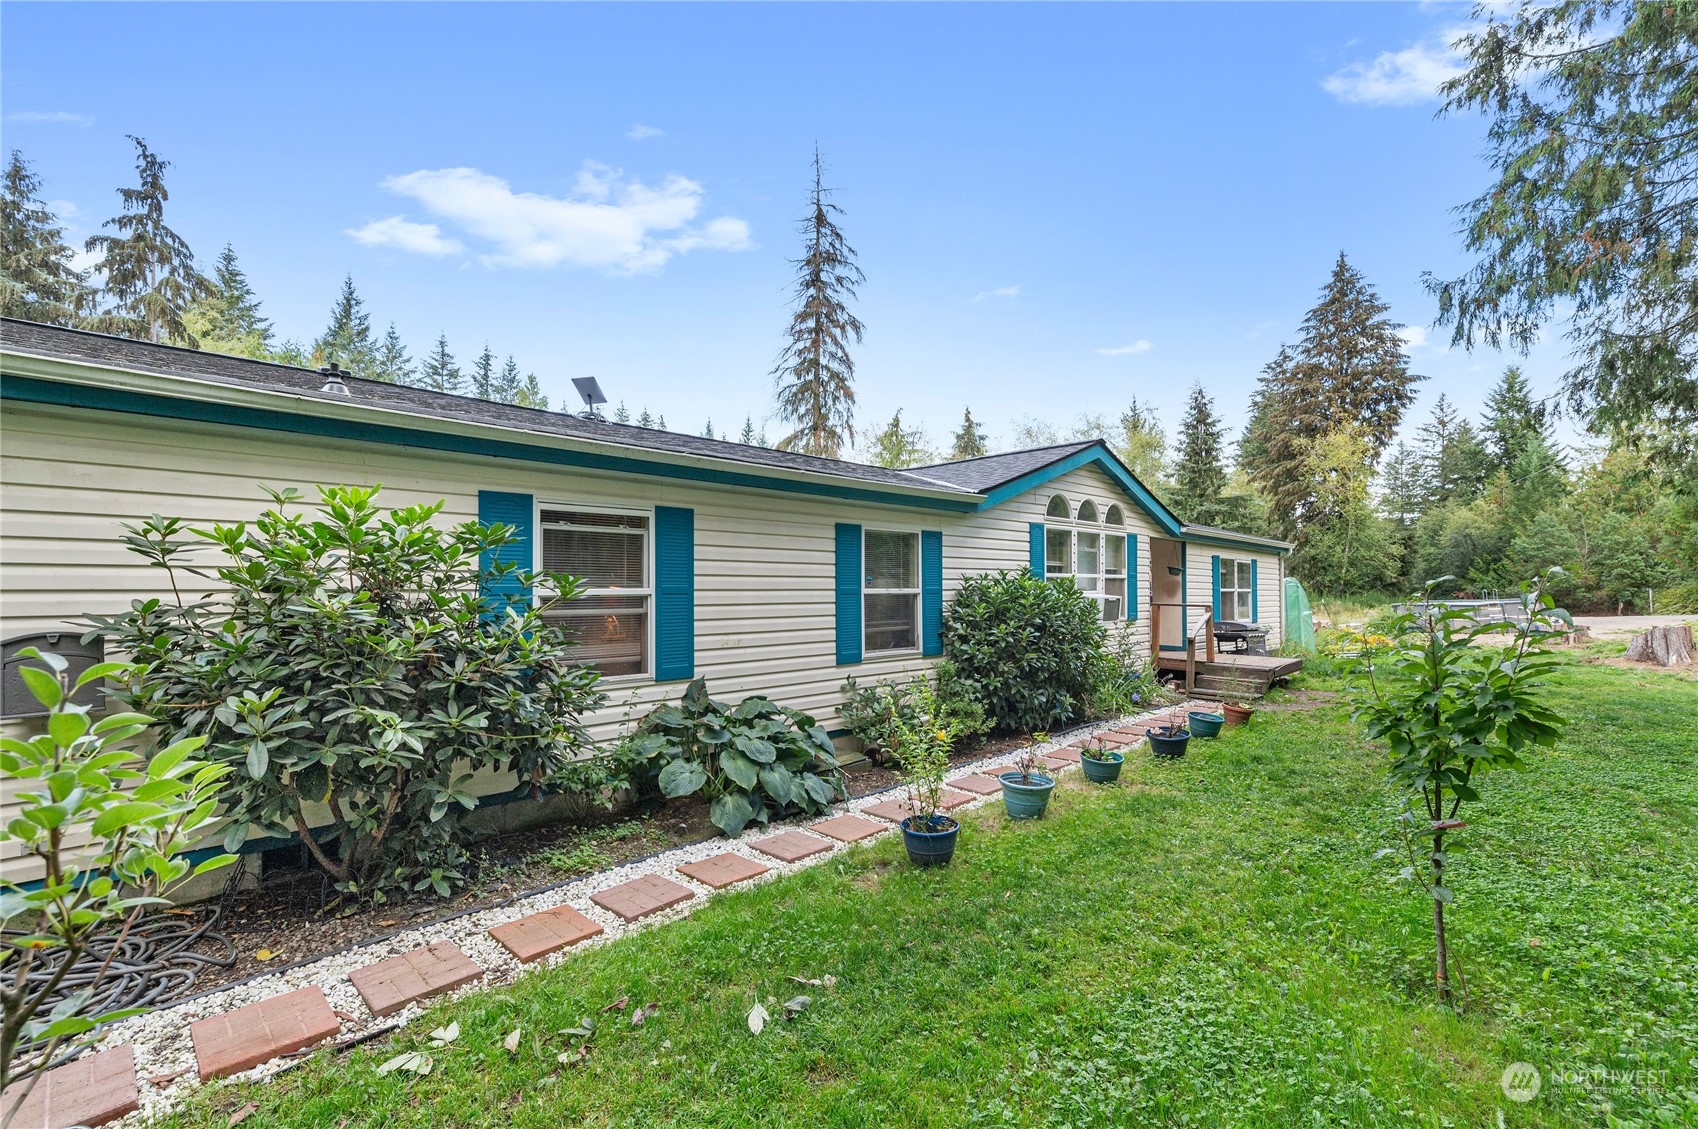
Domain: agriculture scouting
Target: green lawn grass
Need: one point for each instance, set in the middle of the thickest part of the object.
(1213, 942)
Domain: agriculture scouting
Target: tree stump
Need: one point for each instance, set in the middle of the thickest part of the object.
(1665, 646)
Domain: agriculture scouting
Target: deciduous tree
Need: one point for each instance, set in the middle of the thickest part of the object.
(898, 446)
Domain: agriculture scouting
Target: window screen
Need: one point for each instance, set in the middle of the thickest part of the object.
(609, 553)
(891, 609)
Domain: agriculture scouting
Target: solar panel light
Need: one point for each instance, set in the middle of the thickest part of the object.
(591, 393)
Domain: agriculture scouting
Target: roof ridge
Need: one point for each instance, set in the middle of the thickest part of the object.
(1006, 454)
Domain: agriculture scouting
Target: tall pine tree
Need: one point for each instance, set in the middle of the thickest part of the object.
(508, 384)
(1453, 462)
(483, 375)
(969, 442)
(815, 374)
(228, 320)
(392, 365)
(149, 270)
(747, 438)
(645, 420)
(621, 414)
(347, 339)
(37, 280)
(1199, 483)
(439, 372)
(530, 396)
(1514, 421)
(898, 447)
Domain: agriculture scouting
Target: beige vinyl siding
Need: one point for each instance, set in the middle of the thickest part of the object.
(1270, 571)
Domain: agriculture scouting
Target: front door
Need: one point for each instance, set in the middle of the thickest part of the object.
(1167, 587)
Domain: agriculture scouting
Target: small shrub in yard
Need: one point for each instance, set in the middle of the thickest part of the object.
(1122, 684)
(1031, 647)
(875, 714)
(1452, 699)
(110, 829)
(751, 760)
(355, 663)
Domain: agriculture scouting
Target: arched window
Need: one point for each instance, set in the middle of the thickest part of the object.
(1058, 508)
(1087, 510)
(1114, 516)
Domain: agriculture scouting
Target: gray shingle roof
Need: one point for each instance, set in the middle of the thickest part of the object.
(987, 472)
(124, 353)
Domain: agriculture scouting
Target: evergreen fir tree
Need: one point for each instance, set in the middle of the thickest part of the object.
(645, 420)
(530, 396)
(969, 442)
(707, 432)
(483, 375)
(507, 386)
(1453, 462)
(1141, 443)
(347, 339)
(1513, 421)
(898, 447)
(392, 365)
(1350, 371)
(149, 270)
(621, 414)
(1404, 486)
(37, 281)
(660, 423)
(228, 319)
(747, 438)
(815, 374)
(1200, 476)
(760, 440)
(439, 372)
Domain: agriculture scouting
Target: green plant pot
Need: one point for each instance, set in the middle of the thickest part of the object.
(1171, 748)
(1105, 771)
(1205, 724)
(1026, 801)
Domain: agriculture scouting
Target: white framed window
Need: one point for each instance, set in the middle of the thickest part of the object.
(1092, 556)
(1235, 590)
(609, 551)
(890, 596)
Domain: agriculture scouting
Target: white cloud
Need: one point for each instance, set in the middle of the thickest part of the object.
(404, 235)
(1414, 336)
(1131, 350)
(641, 132)
(999, 292)
(49, 117)
(1400, 78)
(606, 221)
(64, 209)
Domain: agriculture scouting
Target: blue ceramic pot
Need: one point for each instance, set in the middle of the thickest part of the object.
(933, 845)
(1171, 747)
(1105, 771)
(1206, 724)
(1026, 800)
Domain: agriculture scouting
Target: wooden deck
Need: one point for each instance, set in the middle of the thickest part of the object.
(1231, 675)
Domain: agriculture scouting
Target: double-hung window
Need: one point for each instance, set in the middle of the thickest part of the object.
(891, 594)
(1235, 590)
(1091, 555)
(608, 552)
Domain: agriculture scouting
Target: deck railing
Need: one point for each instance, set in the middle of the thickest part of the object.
(1205, 626)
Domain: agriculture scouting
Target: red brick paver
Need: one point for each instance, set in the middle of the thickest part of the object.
(237, 1040)
(977, 783)
(723, 870)
(642, 896)
(1066, 756)
(1055, 762)
(894, 810)
(790, 846)
(951, 799)
(91, 1091)
(848, 828)
(392, 984)
(534, 937)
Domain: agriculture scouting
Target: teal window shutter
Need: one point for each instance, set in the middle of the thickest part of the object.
(1255, 614)
(1037, 549)
(517, 510)
(931, 592)
(674, 594)
(848, 593)
(1217, 587)
(1132, 576)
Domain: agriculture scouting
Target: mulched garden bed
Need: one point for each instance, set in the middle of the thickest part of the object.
(294, 916)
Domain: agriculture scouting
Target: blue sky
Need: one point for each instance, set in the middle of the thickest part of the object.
(1057, 207)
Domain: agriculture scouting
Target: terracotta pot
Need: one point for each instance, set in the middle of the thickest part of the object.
(1237, 715)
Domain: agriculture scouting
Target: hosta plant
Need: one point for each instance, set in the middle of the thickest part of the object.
(1453, 698)
(109, 829)
(752, 760)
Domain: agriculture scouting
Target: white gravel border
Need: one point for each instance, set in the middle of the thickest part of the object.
(161, 1038)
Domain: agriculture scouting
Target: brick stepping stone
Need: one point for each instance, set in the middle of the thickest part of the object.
(723, 870)
(951, 799)
(977, 783)
(1055, 762)
(534, 937)
(790, 846)
(642, 896)
(848, 828)
(1068, 756)
(392, 984)
(894, 810)
(238, 1040)
(92, 1090)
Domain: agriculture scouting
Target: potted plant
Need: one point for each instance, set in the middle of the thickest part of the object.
(1026, 790)
(1205, 724)
(1101, 764)
(1243, 690)
(1169, 740)
(922, 745)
